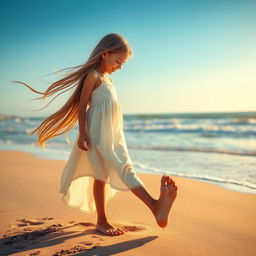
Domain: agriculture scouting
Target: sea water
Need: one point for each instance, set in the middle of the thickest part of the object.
(219, 148)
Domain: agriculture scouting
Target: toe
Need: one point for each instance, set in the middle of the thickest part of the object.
(117, 232)
(108, 232)
(172, 186)
(163, 179)
(172, 181)
(113, 231)
(120, 231)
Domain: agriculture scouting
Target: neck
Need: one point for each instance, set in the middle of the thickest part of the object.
(100, 69)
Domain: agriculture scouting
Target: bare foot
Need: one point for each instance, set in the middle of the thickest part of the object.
(108, 229)
(168, 193)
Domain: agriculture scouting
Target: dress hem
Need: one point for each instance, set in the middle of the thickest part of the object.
(64, 193)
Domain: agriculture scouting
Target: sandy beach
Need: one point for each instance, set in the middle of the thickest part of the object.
(205, 219)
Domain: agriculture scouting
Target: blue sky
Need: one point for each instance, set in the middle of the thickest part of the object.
(189, 56)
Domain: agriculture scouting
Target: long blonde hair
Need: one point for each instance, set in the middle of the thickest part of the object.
(65, 118)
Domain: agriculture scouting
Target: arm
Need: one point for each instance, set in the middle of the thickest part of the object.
(88, 86)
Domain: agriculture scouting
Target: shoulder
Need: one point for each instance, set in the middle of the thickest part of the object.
(91, 79)
(88, 86)
(92, 76)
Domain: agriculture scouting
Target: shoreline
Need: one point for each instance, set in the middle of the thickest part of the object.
(38, 153)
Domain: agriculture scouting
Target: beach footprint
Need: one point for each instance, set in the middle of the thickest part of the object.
(81, 247)
(24, 222)
(26, 232)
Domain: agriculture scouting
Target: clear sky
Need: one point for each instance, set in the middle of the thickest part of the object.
(189, 56)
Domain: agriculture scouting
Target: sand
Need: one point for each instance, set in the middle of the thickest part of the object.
(205, 219)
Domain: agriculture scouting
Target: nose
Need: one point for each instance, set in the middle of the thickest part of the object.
(119, 67)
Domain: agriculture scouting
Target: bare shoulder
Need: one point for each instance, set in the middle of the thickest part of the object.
(91, 77)
(88, 85)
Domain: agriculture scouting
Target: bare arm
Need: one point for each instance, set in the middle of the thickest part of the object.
(87, 89)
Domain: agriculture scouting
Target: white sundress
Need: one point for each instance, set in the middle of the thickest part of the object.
(107, 159)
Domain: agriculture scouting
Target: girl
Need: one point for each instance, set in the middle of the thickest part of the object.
(99, 164)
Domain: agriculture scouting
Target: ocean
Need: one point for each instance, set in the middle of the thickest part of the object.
(218, 148)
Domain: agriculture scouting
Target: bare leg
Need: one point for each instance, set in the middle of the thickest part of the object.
(102, 223)
(161, 207)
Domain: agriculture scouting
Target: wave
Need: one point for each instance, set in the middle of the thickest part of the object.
(146, 169)
(64, 145)
(218, 115)
(194, 149)
(201, 130)
(242, 121)
(197, 129)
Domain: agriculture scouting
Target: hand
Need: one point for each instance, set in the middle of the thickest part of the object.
(83, 142)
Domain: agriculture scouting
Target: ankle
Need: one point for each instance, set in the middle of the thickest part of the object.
(154, 205)
(102, 220)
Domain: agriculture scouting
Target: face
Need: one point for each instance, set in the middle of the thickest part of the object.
(113, 61)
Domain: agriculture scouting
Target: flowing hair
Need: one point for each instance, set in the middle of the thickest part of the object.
(65, 118)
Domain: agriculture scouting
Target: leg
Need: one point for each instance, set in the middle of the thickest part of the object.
(161, 207)
(144, 196)
(102, 223)
(99, 197)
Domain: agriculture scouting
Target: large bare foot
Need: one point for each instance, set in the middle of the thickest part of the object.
(108, 229)
(168, 193)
